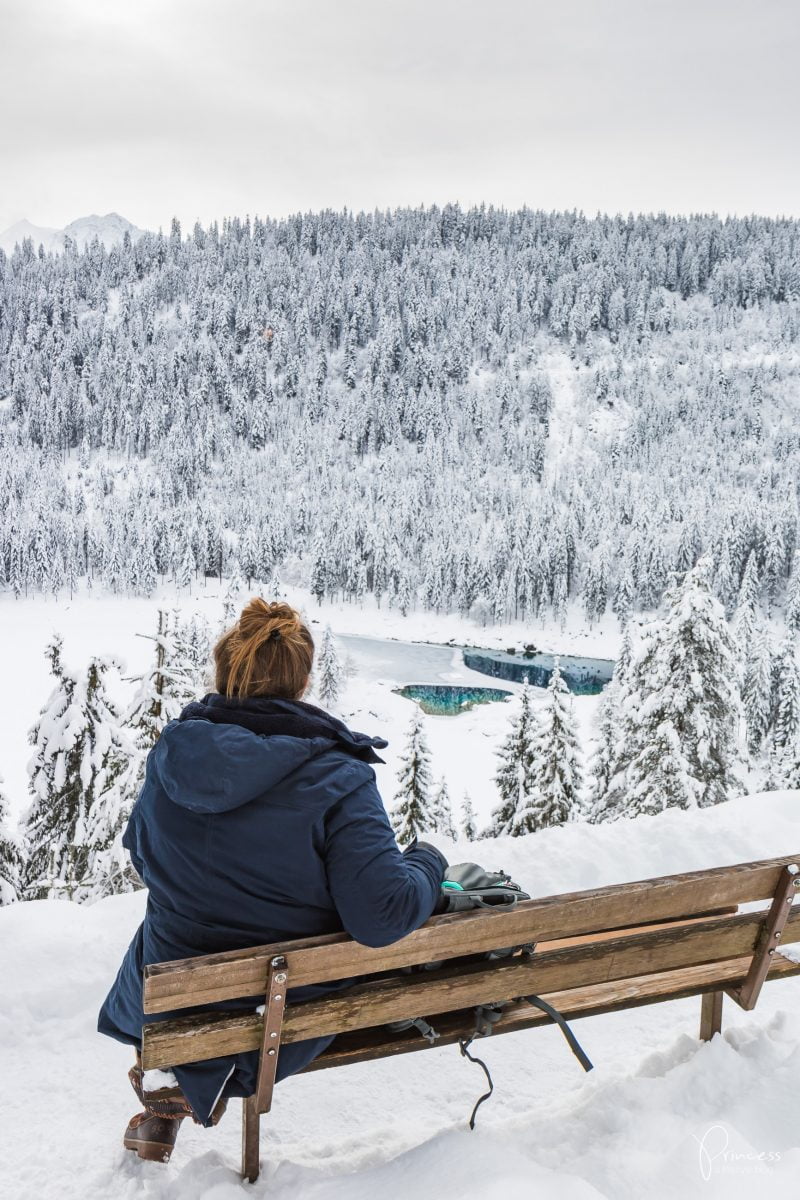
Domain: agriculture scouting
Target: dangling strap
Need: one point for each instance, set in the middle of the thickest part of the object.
(556, 1016)
(463, 1046)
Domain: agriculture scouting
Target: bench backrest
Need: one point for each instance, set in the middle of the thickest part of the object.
(598, 945)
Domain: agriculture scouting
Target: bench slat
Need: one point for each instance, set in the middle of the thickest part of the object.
(203, 1036)
(214, 978)
(244, 1031)
(364, 1045)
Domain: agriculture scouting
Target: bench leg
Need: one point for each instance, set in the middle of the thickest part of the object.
(251, 1123)
(711, 1015)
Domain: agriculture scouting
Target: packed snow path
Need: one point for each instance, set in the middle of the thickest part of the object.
(662, 1115)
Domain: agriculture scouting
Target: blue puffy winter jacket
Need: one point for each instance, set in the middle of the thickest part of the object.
(260, 821)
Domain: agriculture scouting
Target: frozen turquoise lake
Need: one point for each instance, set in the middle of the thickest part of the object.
(403, 663)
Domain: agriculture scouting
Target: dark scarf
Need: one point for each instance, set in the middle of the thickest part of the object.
(266, 715)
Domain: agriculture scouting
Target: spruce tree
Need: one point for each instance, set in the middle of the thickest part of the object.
(557, 773)
(329, 673)
(785, 741)
(412, 814)
(787, 767)
(757, 690)
(677, 745)
(165, 687)
(188, 661)
(514, 777)
(110, 871)
(793, 595)
(468, 827)
(10, 857)
(442, 811)
(172, 680)
(79, 757)
(602, 764)
(234, 593)
(744, 618)
(787, 694)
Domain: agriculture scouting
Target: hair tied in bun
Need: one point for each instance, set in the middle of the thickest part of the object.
(268, 652)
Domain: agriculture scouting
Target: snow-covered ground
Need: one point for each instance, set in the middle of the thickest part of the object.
(662, 1115)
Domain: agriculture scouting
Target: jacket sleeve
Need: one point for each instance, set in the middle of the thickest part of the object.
(380, 893)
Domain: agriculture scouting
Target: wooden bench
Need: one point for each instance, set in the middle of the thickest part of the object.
(596, 951)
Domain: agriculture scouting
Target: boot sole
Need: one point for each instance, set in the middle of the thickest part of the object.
(150, 1151)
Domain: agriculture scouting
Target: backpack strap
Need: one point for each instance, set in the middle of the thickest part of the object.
(561, 1022)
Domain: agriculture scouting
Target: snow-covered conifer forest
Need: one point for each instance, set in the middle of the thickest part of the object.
(482, 411)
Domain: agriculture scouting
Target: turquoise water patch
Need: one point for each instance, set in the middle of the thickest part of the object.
(440, 700)
(583, 676)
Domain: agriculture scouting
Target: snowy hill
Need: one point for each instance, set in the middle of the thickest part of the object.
(109, 229)
(662, 1115)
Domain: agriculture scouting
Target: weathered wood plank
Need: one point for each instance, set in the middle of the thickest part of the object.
(210, 979)
(365, 1045)
(451, 988)
(557, 970)
(606, 935)
(233, 1034)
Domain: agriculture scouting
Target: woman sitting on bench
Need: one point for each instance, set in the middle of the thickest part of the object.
(259, 822)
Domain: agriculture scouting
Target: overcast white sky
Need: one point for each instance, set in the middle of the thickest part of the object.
(201, 109)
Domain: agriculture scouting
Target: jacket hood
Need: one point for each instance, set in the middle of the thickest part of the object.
(221, 754)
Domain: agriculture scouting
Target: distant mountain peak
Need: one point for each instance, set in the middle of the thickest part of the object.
(109, 229)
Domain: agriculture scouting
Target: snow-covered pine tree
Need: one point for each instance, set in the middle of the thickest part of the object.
(79, 756)
(790, 767)
(10, 857)
(412, 814)
(757, 698)
(793, 595)
(110, 871)
(677, 744)
(276, 589)
(744, 618)
(784, 759)
(602, 763)
(787, 694)
(173, 679)
(557, 772)
(514, 776)
(164, 689)
(443, 812)
(468, 826)
(328, 671)
(191, 654)
(234, 593)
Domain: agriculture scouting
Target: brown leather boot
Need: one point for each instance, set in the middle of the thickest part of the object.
(153, 1138)
(154, 1132)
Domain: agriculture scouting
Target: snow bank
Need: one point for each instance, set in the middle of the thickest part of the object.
(661, 1115)
(576, 856)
